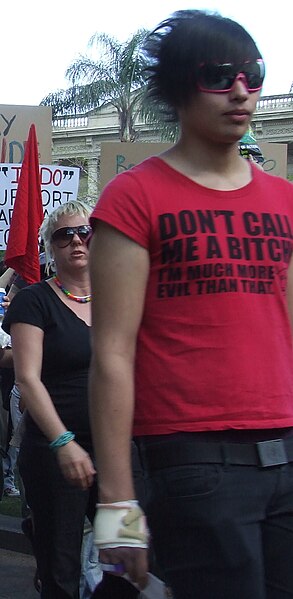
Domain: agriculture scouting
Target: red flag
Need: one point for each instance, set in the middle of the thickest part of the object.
(22, 251)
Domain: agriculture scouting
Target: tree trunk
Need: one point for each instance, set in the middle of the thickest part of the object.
(127, 130)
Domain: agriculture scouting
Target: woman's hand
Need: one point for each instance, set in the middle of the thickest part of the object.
(76, 465)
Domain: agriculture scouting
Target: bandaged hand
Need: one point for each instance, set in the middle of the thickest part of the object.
(120, 524)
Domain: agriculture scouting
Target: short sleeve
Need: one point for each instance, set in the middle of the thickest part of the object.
(27, 307)
(124, 205)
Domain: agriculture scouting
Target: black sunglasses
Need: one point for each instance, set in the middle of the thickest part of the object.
(64, 236)
(220, 78)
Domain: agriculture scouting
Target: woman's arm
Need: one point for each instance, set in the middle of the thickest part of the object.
(27, 343)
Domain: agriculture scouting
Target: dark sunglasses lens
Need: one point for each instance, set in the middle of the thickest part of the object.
(64, 236)
(253, 81)
(221, 77)
(254, 73)
(217, 77)
(84, 232)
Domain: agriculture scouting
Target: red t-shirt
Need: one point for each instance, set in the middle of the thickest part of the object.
(214, 347)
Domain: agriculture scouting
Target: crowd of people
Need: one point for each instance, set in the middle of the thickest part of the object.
(155, 380)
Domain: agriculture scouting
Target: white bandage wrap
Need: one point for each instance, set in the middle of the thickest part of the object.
(120, 524)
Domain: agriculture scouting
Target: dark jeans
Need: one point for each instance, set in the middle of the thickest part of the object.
(59, 511)
(223, 531)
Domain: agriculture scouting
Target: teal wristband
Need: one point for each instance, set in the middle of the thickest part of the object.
(63, 439)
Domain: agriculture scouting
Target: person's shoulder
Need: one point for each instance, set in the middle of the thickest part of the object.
(275, 192)
(33, 288)
(128, 188)
(272, 179)
(137, 173)
(31, 293)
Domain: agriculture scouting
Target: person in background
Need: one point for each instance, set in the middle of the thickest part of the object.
(10, 486)
(192, 281)
(249, 149)
(12, 397)
(50, 338)
(49, 323)
(9, 461)
(7, 454)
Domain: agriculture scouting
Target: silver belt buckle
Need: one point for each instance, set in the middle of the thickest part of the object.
(272, 453)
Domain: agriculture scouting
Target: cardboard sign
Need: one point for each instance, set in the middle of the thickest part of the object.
(15, 122)
(117, 157)
(275, 156)
(59, 184)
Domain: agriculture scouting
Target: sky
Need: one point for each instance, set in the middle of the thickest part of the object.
(39, 41)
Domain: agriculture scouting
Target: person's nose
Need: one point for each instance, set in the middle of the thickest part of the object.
(239, 89)
(76, 238)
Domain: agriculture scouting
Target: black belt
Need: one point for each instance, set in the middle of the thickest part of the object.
(274, 452)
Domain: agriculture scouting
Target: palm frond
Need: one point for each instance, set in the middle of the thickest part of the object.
(85, 70)
(115, 73)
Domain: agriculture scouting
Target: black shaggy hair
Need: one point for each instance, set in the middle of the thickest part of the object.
(177, 47)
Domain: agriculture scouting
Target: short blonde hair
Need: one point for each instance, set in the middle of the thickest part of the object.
(71, 208)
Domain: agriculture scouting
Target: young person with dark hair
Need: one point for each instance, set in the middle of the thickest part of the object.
(192, 283)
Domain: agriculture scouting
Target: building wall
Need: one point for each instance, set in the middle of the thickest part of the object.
(77, 139)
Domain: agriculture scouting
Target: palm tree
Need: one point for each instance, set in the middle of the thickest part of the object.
(117, 78)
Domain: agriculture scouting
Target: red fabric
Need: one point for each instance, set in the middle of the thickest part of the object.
(22, 251)
(214, 349)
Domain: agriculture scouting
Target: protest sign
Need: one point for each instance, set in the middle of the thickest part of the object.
(15, 122)
(117, 157)
(59, 184)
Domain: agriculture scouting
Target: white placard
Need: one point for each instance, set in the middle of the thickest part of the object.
(59, 184)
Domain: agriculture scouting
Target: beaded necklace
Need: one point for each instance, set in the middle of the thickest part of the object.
(83, 299)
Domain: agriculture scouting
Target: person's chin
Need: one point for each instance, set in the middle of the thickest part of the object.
(233, 135)
(79, 261)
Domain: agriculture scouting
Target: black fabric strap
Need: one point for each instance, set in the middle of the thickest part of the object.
(274, 452)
